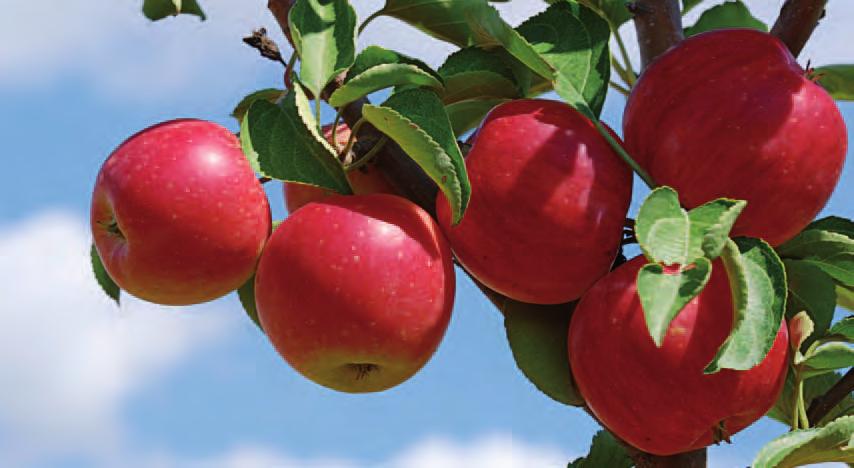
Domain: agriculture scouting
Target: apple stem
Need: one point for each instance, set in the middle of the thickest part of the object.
(350, 141)
(334, 136)
(366, 158)
(365, 23)
(618, 148)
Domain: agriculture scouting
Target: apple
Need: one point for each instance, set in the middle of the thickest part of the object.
(355, 292)
(364, 180)
(658, 399)
(178, 216)
(730, 113)
(548, 203)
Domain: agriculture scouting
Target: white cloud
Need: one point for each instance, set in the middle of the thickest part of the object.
(69, 358)
(489, 450)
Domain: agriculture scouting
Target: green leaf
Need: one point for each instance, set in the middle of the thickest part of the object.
(284, 141)
(688, 5)
(605, 452)
(843, 329)
(732, 14)
(443, 19)
(573, 40)
(615, 12)
(838, 80)
(810, 290)
(710, 226)
(833, 442)
(324, 35)
(158, 9)
(468, 114)
(814, 387)
(376, 68)
(664, 294)
(537, 336)
(758, 284)
(109, 286)
(474, 73)
(663, 228)
(416, 120)
(828, 357)
(246, 294)
(269, 95)
(845, 297)
(828, 244)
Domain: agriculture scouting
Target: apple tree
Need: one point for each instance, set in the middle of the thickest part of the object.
(726, 316)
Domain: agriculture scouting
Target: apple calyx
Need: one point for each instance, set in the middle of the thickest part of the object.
(363, 369)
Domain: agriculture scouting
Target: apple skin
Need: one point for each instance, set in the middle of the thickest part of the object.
(658, 399)
(549, 200)
(364, 180)
(178, 216)
(355, 292)
(730, 113)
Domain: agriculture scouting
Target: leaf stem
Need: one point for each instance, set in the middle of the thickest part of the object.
(618, 148)
(802, 412)
(365, 23)
(627, 62)
(369, 155)
(317, 114)
(620, 89)
(289, 69)
(353, 131)
(334, 136)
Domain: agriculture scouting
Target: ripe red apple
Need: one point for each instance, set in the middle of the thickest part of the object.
(355, 292)
(548, 203)
(178, 216)
(730, 113)
(364, 180)
(658, 399)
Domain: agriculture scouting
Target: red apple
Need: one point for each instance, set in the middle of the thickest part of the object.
(364, 180)
(355, 292)
(548, 204)
(178, 216)
(658, 399)
(730, 113)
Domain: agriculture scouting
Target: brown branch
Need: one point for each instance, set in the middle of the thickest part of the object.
(659, 26)
(821, 406)
(797, 20)
(411, 182)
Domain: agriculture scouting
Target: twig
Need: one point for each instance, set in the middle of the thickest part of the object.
(797, 20)
(268, 48)
(659, 26)
(821, 406)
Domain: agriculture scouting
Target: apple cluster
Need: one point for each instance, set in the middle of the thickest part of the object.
(356, 292)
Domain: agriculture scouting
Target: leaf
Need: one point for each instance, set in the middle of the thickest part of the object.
(833, 442)
(443, 19)
(475, 73)
(537, 337)
(732, 14)
(828, 244)
(828, 357)
(814, 387)
(710, 226)
(109, 286)
(468, 114)
(663, 228)
(843, 329)
(158, 9)
(664, 294)
(416, 120)
(801, 327)
(376, 68)
(810, 290)
(614, 11)
(324, 35)
(605, 452)
(758, 284)
(838, 80)
(246, 294)
(282, 142)
(573, 40)
(688, 5)
(845, 297)
(268, 94)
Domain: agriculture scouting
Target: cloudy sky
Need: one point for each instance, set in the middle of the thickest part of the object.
(84, 383)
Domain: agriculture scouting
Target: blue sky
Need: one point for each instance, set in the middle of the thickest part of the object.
(84, 383)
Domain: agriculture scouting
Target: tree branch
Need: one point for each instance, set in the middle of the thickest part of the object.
(659, 26)
(821, 406)
(797, 20)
